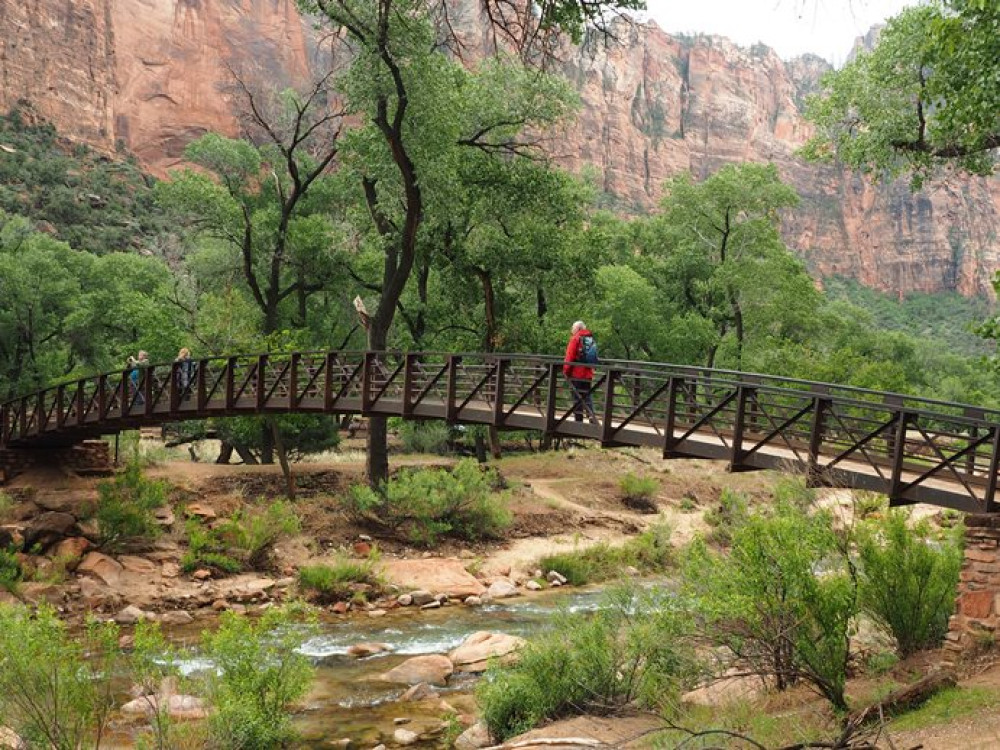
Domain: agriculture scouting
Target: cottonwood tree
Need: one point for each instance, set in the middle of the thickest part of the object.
(64, 312)
(266, 197)
(420, 110)
(927, 96)
(265, 202)
(723, 257)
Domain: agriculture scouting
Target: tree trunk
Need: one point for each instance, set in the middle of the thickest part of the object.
(377, 459)
(494, 435)
(286, 468)
(225, 453)
(266, 443)
(490, 344)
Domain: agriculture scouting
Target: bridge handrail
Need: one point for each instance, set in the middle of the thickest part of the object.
(845, 394)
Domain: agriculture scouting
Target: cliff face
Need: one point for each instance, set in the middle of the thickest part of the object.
(150, 74)
(153, 74)
(658, 105)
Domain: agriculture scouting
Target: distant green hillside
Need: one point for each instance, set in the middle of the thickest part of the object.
(945, 317)
(89, 200)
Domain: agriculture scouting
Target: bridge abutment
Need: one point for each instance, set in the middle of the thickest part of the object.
(977, 611)
(87, 457)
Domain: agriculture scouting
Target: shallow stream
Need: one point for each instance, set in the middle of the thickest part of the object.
(348, 701)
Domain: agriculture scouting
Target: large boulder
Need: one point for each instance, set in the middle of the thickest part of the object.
(71, 551)
(102, 567)
(48, 528)
(476, 651)
(367, 648)
(176, 706)
(502, 589)
(434, 669)
(445, 576)
(473, 738)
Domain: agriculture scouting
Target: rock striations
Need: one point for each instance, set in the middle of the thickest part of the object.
(151, 75)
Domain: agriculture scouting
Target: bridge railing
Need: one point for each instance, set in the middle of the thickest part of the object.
(909, 447)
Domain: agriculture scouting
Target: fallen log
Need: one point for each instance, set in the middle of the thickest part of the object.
(903, 699)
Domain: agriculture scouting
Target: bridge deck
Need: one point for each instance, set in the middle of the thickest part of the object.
(913, 450)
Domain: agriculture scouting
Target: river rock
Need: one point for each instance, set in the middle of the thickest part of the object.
(433, 604)
(9, 740)
(473, 601)
(434, 669)
(476, 650)
(177, 617)
(176, 706)
(533, 586)
(367, 648)
(131, 615)
(404, 600)
(554, 576)
(201, 510)
(140, 565)
(405, 737)
(377, 613)
(417, 693)
(421, 597)
(475, 737)
(400, 720)
(102, 567)
(164, 516)
(48, 528)
(447, 576)
(502, 589)
(71, 551)
(340, 608)
(170, 569)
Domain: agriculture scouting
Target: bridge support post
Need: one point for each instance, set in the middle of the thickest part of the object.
(744, 394)
(977, 611)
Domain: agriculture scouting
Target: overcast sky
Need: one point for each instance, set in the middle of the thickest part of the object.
(791, 27)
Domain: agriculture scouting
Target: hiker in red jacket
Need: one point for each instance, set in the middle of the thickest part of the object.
(581, 353)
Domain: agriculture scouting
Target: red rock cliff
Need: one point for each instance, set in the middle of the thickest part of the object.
(152, 74)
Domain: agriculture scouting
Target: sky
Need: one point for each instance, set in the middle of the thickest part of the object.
(827, 28)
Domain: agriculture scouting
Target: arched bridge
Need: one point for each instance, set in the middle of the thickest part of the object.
(912, 449)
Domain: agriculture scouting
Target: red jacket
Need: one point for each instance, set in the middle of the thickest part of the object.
(570, 370)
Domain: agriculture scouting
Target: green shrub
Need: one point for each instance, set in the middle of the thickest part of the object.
(732, 510)
(423, 505)
(6, 505)
(55, 687)
(632, 651)
(425, 437)
(252, 533)
(638, 492)
(11, 573)
(330, 583)
(207, 550)
(908, 580)
(869, 504)
(125, 508)
(650, 552)
(793, 490)
(258, 676)
(781, 602)
(637, 487)
(243, 541)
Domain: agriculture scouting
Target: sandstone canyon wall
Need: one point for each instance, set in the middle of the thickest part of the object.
(153, 74)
